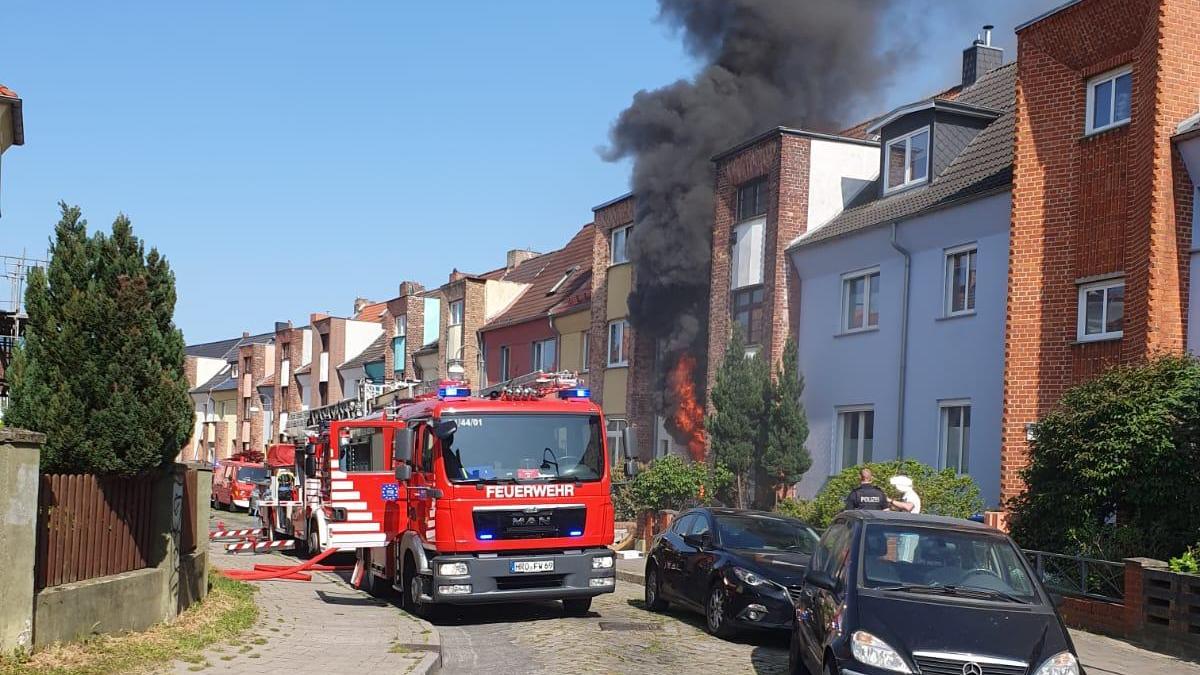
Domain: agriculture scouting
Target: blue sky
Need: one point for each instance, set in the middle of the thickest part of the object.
(287, 157)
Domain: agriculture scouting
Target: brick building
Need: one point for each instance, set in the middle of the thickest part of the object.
(292, 354)
(1102, 200)
(213, 371)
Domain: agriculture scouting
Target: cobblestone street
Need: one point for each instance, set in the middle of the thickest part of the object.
(538, 639)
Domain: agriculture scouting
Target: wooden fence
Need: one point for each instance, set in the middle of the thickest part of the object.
(91, 527)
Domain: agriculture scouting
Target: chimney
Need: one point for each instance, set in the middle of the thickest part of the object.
(410, 288)
(359, 303)
(518, 256)
(455, 275)
(245, 334)
(980, 58)
(282, 325)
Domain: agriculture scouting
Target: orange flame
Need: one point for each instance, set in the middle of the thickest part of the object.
(689, 416)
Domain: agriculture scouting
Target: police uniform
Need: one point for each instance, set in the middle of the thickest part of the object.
(866, 497)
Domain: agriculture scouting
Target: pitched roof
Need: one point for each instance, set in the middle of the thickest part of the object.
(268, 381)
(1188, 128)
(222, 376)
(551, 278)
(226, 349)
(984, 167)
(373, 352)
(7, 93)
(304, 369)
(371, 312)
(578, 299)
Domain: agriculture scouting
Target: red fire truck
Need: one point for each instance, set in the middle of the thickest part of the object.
(455, 498)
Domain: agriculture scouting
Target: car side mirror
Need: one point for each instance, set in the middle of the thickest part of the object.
(820, 579)
(1056, 600)
(700, 541)
(403, 472)
(445, 429)
(402, 445)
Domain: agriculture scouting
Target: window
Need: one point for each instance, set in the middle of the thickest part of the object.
(616, 440)
(748, 313)
(1109, 100)
(956, 434)
(618, 346)
(584, 346)
(1101, 310)
(456, 313)
(752, 200)
(960, 280)
(544, 356)
(620, 245)
(684, 524)
(504, 361)
(559, 284)
(402, 325)
(856, 435)
(233, 369)
(907, 160)
(860, 301)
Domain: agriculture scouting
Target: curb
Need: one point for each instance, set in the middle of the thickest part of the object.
(631, 576)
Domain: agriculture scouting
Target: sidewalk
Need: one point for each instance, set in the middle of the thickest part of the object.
(323, 625)
(1100, 655)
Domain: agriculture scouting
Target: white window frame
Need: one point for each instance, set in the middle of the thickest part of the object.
(944, 407)
(460, 306)
(622, 325)
(402, 326)
(623, 233)
(908, 179)
(584, 339)
(539, 352)
(1081, 322)
(839, 440)
(505, 368)
(948, 280)
(844, 305)
(1110, 76)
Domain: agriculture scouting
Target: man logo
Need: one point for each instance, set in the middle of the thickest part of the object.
(972, 669)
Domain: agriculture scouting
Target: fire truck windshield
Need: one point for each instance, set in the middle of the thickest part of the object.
(520, 447)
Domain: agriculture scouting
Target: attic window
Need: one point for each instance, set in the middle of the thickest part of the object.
(566, 275)
(907, 160)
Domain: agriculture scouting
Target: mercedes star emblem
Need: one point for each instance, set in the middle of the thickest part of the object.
(972, 668)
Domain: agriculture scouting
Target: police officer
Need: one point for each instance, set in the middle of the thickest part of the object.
(866, 496)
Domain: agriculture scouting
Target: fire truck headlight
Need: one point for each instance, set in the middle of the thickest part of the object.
(455, 569)
(455, 589)
(602, 562)
(602, 582)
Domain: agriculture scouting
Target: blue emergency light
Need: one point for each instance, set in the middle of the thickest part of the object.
(575, 533)
(575, 392)
(485, 535)
(453, 392)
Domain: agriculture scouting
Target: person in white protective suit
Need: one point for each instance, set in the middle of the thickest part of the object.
(909, 501)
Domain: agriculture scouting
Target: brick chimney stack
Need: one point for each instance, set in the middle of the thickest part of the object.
(359, 303)
(518, 255)
(980, 58)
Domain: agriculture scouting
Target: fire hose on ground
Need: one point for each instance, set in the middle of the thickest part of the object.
(284, 572)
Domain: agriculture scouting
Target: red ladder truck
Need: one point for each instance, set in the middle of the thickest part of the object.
(504, 496)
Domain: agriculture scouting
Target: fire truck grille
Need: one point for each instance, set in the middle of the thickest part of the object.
(532, 581)
(530, 523)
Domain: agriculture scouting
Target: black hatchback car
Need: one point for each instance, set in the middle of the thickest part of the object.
(901, 593)
(738, 567)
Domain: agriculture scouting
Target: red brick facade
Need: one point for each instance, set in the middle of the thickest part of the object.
(255, 362)
(328, 335)
(471, 290)
(1114, 202)
(289, 347)
(410, 304)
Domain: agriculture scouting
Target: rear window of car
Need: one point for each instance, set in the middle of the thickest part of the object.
(905, 555)
(249, 474)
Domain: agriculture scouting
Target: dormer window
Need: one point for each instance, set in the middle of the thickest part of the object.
(907, 160)
(559, 284)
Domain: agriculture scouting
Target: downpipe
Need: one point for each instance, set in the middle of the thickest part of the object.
(903, 343)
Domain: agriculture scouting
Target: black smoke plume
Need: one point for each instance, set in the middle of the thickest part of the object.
(807, 63)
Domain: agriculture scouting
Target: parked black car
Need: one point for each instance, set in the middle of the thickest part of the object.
(736, 566)
(901, 593)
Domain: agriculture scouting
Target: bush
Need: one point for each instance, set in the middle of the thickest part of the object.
(1115, 471)
(942, 493)
(675, 483)
(622, 498)
(800, 509)
(1187, 562)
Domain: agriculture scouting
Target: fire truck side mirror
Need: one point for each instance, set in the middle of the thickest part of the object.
(445, 429)
(629, 443)
(631, 468)
(403, 472)
(402, 445)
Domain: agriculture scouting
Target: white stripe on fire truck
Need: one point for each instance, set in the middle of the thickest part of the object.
(342, 485)
(337, 474)
(354, 527)
(358, 515)
(349, 506)
(343, 494)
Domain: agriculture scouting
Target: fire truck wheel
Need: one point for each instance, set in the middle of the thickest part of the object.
(577, 606)
(312, 541)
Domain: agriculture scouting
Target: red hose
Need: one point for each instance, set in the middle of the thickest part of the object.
(261, 567)
(284, 573)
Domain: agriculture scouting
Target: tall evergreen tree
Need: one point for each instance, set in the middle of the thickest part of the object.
(101, 370)
(735, 428)
(785, 458)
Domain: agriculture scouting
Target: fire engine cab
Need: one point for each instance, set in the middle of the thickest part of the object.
(501, 496)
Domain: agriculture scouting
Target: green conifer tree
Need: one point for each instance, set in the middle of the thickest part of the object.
(101, 371)
(785, 458)
(735, 428)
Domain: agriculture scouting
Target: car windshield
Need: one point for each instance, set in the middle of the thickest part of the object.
(524, 447)
(924, 559)
(765, 532)
(250, 474)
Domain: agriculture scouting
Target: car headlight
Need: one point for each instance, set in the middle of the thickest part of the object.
(456, 569)
(602, 562)
(747, 577)
(1062, 663)
(872, 651)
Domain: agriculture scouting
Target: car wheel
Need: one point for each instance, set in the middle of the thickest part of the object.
(577, 606)
(716, 618)
(654, 600)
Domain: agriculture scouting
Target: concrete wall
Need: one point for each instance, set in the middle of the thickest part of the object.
(19, 461)
(837, 173)
(359, 336)
(948, 358)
